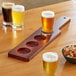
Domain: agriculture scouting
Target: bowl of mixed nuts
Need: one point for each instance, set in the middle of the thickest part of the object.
(69, 53)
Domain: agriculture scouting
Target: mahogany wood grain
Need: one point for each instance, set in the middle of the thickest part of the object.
(10, 39)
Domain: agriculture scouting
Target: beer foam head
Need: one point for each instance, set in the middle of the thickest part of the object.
(7, 4)
(18, 8)
(48, 14)
(50, 57)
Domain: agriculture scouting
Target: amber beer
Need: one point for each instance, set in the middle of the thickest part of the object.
(18, 16)
(47, 21)
(7, 13)
(50, 60)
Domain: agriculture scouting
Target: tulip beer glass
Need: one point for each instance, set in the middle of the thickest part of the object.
(50, 60)
(47, 21)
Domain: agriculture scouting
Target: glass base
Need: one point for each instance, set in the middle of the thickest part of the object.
(17, 27)
(48, 33)
(7, 23)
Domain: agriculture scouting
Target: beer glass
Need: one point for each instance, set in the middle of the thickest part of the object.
(7, 13)
(47, 21)
(18, 16)
(50, 60)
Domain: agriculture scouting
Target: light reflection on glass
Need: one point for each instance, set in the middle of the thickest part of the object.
(14, 34)
(5, 29)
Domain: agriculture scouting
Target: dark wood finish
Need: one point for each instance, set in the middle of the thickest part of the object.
(34, 45)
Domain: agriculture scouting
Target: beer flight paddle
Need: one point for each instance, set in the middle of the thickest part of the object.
(31, 46)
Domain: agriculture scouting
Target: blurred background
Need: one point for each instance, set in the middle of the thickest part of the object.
(29, 4)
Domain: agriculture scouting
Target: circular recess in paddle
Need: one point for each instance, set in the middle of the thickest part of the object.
(24, 50)
(40, 37)
(32, 43)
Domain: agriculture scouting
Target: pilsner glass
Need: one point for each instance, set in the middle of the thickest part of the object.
(50, 60)
(47, 21)
(18, 16)
(7, 13)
